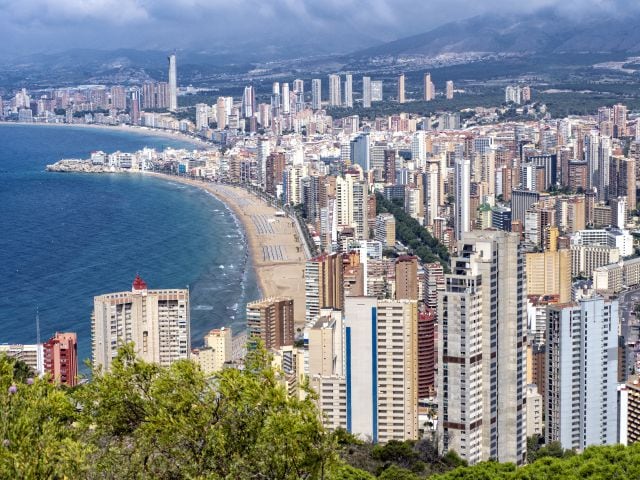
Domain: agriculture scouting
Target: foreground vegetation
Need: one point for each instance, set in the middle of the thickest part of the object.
(142, 421)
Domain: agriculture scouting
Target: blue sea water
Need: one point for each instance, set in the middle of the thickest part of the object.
(67, 237)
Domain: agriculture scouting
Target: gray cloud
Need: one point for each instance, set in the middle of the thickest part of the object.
(49, 25)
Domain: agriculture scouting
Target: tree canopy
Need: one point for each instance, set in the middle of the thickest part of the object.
(141, 421)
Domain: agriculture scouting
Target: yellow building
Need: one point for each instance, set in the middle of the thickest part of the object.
(216, 351)
(549, 272)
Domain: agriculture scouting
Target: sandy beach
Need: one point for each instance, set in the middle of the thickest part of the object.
(275, 247)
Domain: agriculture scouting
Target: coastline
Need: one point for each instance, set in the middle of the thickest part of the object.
(152, 132)
(277, 253)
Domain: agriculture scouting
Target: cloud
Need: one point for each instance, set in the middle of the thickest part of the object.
(32, 25)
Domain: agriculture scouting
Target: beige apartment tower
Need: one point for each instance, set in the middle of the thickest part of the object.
(216, 352)
(407, 278)
(155, 321)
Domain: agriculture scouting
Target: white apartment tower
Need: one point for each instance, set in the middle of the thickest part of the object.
(173, 83)
(316, 94)
(582, 371)
(348, 90)
(335, 92)
(482, 368)
(462, 173)
(366, 92)
(156, 321)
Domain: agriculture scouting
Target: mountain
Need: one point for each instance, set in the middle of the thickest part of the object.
(545, 31)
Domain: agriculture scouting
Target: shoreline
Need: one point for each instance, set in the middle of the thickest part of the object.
(152, 132)
(277, 253)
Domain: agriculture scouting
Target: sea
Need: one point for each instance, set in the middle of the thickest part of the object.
(66, 237)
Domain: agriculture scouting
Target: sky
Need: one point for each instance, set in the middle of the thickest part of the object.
(45, 26)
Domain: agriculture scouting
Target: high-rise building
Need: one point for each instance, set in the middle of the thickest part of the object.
(118, 98)
(327, 368)
(381, 368)
(582, 371)
(481, 365)
(134, 111)
(389, 168)
(216, 352)
(401, 97)
(427, 321)
(286, 99)
(173, 83)
(622, 176)
(407, 278)
(323, 285)
(462, 172)
(335, 93)
(221, 113)
(156, 321)
(449, 89)
(61, 358)
(376, 90)
(316, 94)
(348, 90)
(386, 230)
(361, 152)
(549, 272)
(275, 163)
(429, 90)
(271, 320)
(298, 90)
(366, 92)
(248, 102)
(202, 116)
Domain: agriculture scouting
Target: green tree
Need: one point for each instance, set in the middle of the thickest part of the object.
(174, 422)
(38, 438)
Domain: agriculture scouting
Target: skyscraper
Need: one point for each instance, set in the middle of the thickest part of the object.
(298, 90)
(156, 321)
(462, 172)
(366, 92)
(335, 95)
(401, 98)
(376, 90)
(173, 83)
(271, 320)
(381, 368)
(286, 99)
(582, 369)
(221, 113)
(202, 116)
(429, 91)
(481, 365)
(622, 176)
(407, 278)
(274, 167)
(323, 285)
(316, 94)
(449, 89)
(248, 102)
(348, 90)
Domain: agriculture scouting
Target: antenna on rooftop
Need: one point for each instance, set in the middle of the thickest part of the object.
(37, 326)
